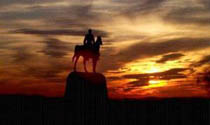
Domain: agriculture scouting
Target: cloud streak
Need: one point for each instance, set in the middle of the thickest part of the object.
(170, 57)
(203, 61)
(143, 79)
(56, 48)
(148, 49)
(69, 32)
(136, 7)
(166, 75)
(188, 15)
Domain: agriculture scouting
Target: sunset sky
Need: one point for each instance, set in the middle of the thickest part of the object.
(151, 48)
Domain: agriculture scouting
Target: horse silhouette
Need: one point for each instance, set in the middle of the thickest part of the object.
(87, 52)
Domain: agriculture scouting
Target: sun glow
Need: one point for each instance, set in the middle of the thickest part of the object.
(156, 83)
(148, 66)
(144, 68)
(153, 70)
(153, 82)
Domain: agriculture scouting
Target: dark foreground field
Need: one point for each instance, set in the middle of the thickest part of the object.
(32, 110)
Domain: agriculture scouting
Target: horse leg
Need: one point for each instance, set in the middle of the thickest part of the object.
(94, 65)
(75, 63)
(84, 62)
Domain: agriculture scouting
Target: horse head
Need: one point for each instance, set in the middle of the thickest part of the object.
(99, 41)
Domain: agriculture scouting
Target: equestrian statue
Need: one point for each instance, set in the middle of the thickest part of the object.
(90, 50)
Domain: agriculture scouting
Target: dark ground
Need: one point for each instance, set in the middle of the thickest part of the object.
(34, 110)
(86, 103)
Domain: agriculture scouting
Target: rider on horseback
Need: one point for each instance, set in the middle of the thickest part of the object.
(89, 40)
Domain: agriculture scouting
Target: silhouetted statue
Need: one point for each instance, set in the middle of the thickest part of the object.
(88, 50)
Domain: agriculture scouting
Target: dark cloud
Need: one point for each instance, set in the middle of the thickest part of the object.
(4, 3)
(116, 72)
(5, 44)
(33, 12)
(170, 57)
(49, 72)
(206, 3)
(57, 16)
(149, 49)
(44, 69)
(114, 78)
(139, 82)
(60, 32)
(22, 55)
(166, 75)
(28, 63)
(88, 19)
(56, 48)
(135, 7)
(135, 84)
(71, 15)
(203, 61)
(188, 16)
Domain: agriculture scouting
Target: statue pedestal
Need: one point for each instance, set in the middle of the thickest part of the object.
(88, 95)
